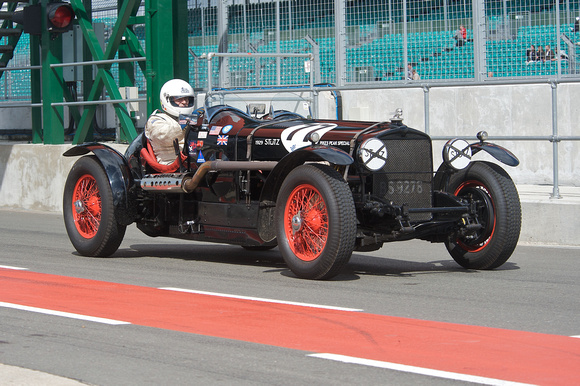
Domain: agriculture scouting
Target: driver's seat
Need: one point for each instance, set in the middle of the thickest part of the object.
(150, 159)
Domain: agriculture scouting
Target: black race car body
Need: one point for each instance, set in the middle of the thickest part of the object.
(317, 189)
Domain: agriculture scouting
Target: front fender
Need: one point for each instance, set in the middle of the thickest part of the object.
(498, 152)
(118, 173)
(314, 153)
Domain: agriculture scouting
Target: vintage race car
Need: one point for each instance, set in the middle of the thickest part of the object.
(316, 189)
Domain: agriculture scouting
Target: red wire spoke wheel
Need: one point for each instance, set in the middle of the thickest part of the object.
(498, 214)
(306, 222)
(87, 206)
(89, 211)
(315, 221)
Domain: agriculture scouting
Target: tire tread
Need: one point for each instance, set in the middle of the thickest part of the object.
(108, 239)
(507, 232)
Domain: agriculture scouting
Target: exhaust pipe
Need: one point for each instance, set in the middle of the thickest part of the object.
(191, 183)
(180, 182)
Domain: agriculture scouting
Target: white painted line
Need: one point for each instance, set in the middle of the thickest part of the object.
(575, 336)
(417, 370)
(15, 268)
(64, 314)
(261, 299)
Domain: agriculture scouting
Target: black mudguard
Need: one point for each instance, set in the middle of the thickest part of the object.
(315, 153)
(118, 172)
(498, 152)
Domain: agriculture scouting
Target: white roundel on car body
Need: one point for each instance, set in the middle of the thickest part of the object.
(298, 136)
(373, 154)
(457, 153)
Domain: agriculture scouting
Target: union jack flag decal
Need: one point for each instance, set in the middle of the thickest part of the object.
(222, 139)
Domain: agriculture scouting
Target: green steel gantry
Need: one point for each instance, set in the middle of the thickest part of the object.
(165, 55)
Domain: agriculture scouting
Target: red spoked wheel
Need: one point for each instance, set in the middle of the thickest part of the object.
(306, 222)
(315, 221)
(498, 212)
(89, 211)
(87, 207)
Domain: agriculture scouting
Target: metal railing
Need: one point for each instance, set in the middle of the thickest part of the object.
(278, 87)
(74, 64)
(98, 62)
(210, 56)
(19, 104)
(555, 138)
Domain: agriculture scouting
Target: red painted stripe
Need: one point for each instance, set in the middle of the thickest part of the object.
(488, 352)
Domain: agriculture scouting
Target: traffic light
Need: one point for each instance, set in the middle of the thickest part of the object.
(59, 18)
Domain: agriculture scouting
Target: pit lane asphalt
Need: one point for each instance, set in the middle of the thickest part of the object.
(536, 290)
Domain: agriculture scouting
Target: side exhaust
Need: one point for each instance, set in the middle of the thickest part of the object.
(187, 183)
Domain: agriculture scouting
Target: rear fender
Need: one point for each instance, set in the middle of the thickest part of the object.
(118, 173)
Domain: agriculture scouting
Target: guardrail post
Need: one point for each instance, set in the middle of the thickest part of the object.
(426, 107)
(556, 190)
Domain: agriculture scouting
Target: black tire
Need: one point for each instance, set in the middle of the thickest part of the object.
(499, 211)
(316, 241)
(89, 213)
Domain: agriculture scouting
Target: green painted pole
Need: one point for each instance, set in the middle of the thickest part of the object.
(126, 74)
(88, 77)
(181, 40)
(35, 89)
(166, 46)
(52, 84)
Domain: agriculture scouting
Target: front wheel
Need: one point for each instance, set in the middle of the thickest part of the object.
(498, 213)
(89, 213)
(315, 221)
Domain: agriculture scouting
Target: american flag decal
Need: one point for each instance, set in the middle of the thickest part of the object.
(215, 130)
(222, 139)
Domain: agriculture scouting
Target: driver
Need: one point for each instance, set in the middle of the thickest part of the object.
(162, 128)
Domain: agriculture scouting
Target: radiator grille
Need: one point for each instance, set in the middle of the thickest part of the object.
(407, 175)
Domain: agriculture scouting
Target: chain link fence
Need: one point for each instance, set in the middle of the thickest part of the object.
(391, 41)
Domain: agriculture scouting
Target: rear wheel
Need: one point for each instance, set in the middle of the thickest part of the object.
(316, 222)
(89, 213)
(498, 212)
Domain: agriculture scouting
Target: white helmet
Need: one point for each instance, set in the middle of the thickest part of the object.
(176, 88)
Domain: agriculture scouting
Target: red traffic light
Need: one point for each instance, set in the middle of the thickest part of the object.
(59, 17)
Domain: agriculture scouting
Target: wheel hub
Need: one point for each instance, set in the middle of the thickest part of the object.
(296, 223)
(79, 207)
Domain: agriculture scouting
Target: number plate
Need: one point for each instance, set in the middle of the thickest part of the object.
(400, 187)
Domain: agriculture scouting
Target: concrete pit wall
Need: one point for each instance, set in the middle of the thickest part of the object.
(515, 110)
